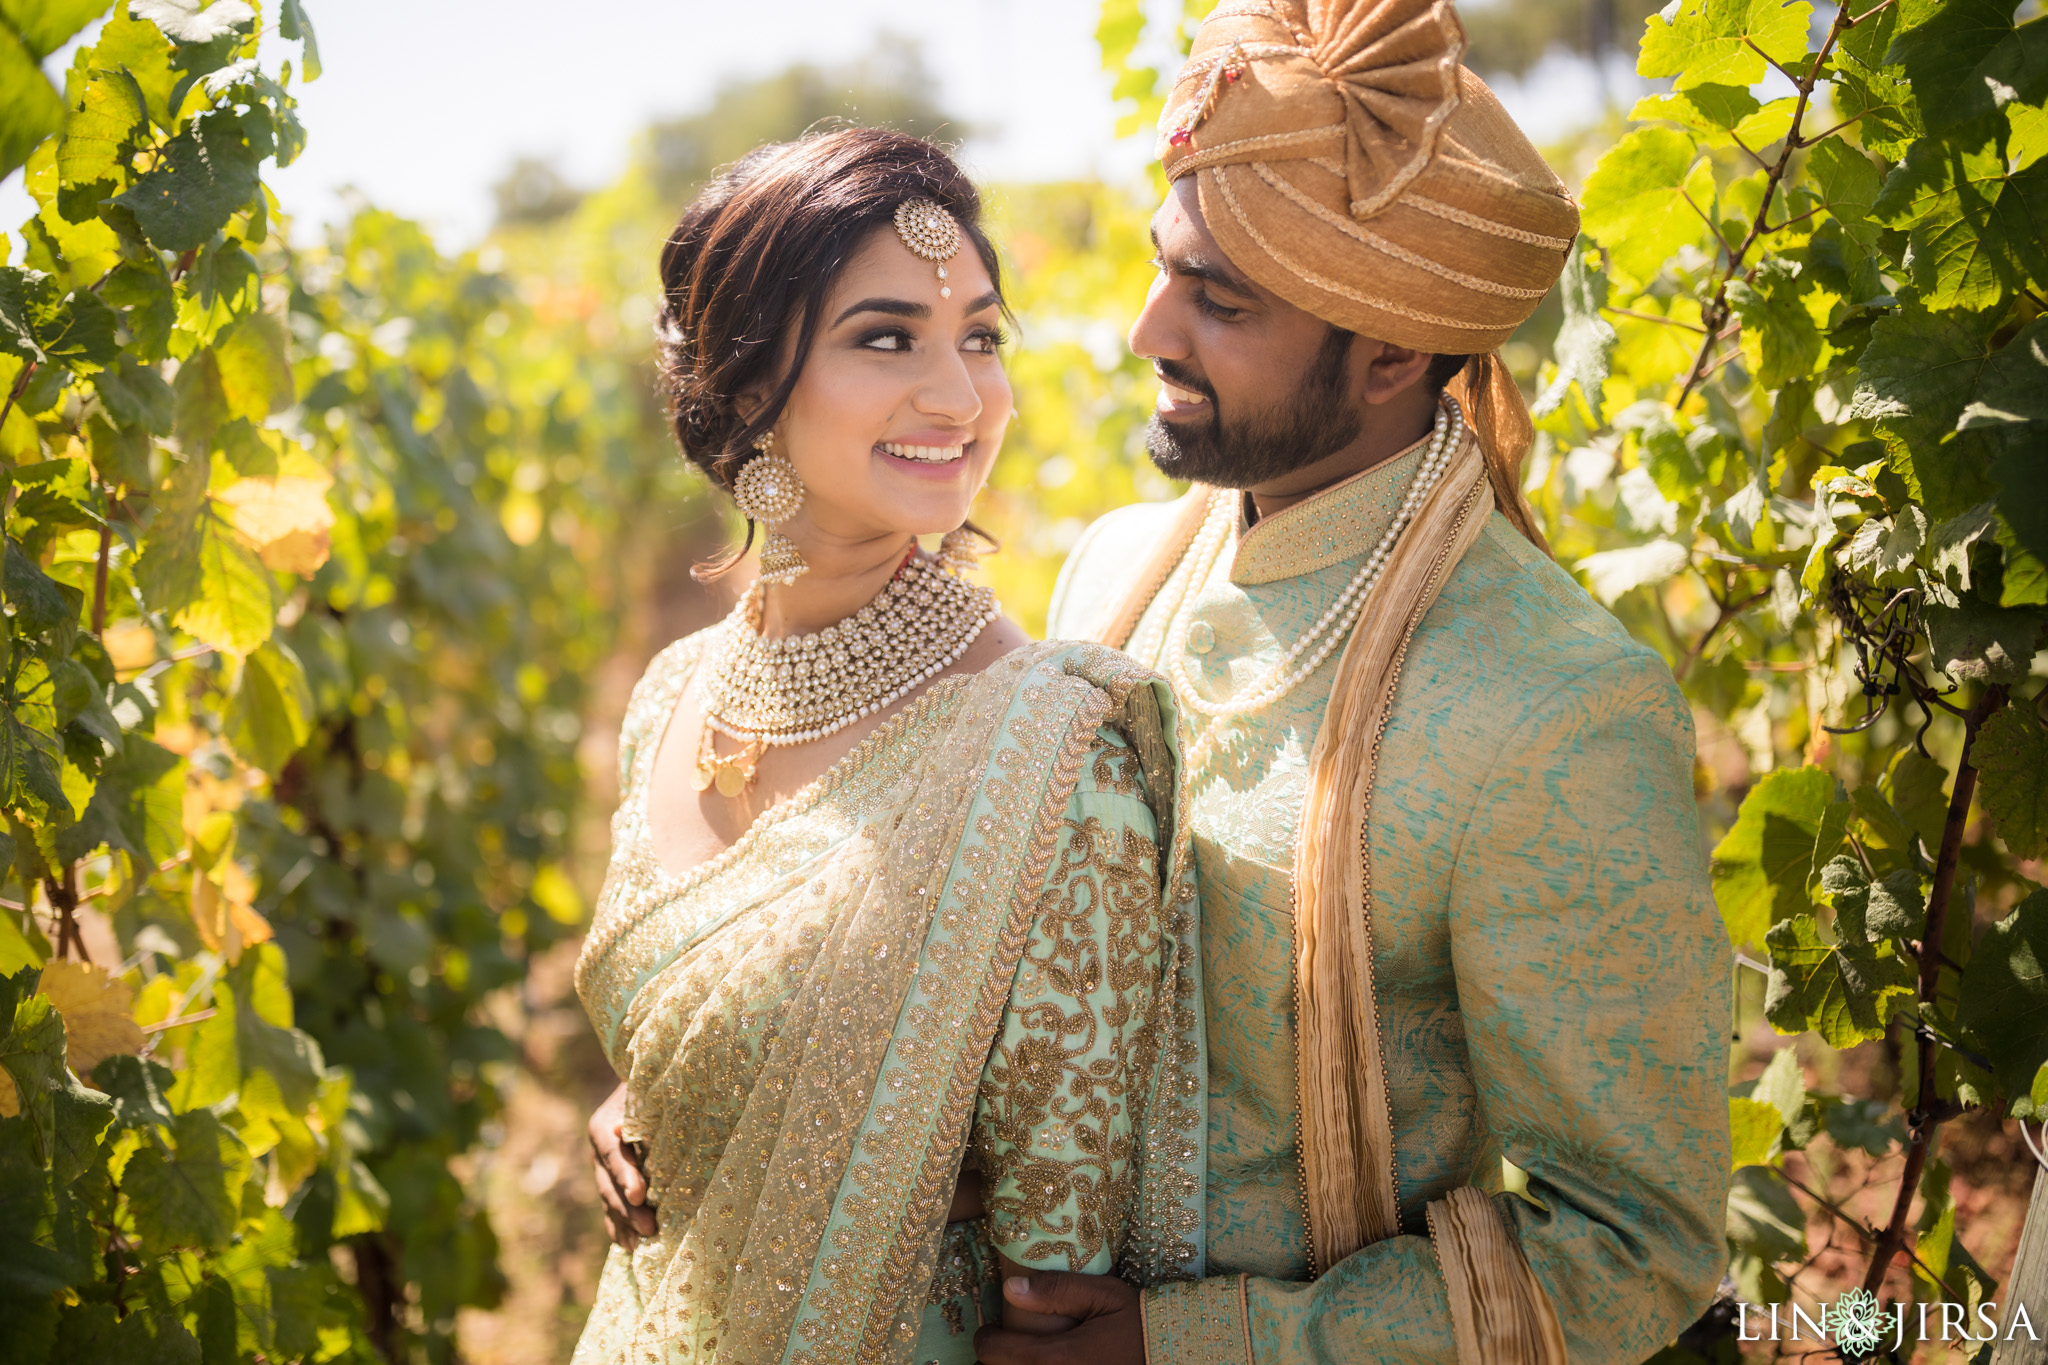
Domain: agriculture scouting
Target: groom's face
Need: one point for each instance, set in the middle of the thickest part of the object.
(1252, 388)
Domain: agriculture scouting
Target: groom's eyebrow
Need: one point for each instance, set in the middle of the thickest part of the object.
(899, 308)
(1200, 267)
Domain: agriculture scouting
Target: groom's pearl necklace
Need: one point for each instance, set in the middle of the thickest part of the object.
(1309, 652)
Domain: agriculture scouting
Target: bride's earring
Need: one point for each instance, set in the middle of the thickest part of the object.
(960, 551)
(768, 491)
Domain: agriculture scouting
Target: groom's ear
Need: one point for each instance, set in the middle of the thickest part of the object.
(1383, 371)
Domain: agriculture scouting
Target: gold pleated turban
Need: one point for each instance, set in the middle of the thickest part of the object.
(1348, 162)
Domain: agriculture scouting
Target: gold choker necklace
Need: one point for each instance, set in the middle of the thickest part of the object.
(802, 688)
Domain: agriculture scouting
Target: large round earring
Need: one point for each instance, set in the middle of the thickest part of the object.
(960, 551)
(768, 491)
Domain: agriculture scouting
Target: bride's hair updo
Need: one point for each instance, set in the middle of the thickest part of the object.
(755, 255)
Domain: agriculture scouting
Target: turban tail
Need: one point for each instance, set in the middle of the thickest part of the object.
(1347, 161)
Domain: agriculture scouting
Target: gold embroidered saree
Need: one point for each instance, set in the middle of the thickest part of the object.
(975, 928)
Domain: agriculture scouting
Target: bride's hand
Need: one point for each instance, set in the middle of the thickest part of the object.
(621, 1184)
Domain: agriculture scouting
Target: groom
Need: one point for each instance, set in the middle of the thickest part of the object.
(1465, 989)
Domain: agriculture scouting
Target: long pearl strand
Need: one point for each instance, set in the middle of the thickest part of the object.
(1331, 629)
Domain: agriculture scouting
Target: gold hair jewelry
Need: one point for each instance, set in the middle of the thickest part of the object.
(931, 234)
(802, 688)
(768, 491)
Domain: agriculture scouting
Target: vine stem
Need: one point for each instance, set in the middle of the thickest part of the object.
(1928, 1112)
(20, 387)
(1716, 311)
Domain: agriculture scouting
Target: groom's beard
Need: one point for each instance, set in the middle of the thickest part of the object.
(1243, 451)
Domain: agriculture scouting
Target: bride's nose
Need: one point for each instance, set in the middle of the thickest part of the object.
(948, 391)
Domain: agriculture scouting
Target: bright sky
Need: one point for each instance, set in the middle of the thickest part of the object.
(425, 103)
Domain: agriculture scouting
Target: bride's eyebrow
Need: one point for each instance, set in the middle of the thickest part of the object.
(901, 308)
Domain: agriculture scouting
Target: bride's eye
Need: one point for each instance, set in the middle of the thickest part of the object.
(885, 339)
(987, 341)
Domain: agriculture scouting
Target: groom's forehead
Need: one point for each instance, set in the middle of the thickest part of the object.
(1185, 243)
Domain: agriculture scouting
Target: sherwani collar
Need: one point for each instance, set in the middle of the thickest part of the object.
(1342, 522)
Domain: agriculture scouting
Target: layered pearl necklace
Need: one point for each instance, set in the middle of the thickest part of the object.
(1308, 653)
(803, 688)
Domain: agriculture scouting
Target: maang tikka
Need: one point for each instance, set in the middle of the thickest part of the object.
(931, 234)
(768, 491)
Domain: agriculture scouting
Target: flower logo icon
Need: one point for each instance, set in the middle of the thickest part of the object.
(1856, 1322)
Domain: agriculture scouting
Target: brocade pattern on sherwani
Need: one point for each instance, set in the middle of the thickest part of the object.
(1551, 977)
(957, 936)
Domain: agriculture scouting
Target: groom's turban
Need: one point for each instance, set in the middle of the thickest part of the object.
(1348, 162)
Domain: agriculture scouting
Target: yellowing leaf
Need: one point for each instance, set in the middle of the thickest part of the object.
(99, 1019)
(286, 520)
(130, 644)
(1753, 1129)
(224, 912)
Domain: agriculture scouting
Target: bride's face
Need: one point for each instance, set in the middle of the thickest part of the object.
(900, 408)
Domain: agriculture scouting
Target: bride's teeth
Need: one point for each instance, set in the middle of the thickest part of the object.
(928, 454)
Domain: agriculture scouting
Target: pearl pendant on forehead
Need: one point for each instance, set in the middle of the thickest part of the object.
(931, 234)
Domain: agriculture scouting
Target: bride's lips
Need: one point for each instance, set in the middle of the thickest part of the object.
(926, 451)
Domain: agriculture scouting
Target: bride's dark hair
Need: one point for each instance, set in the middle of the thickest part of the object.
(754, 257)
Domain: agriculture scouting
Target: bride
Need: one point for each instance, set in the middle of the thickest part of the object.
(895, 954)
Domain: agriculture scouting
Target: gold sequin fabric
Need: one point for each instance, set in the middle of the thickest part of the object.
(896, 961)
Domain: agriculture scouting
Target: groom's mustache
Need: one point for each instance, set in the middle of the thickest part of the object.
(1183, 378)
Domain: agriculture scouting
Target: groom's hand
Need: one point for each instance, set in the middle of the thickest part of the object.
(1109, 1324)
(621, 1184)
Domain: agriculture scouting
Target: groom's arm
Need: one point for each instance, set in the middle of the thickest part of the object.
(1592, 976)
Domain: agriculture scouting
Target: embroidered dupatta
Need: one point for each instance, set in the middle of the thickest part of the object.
(803, 1170)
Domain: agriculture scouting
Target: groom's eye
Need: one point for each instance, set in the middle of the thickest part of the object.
(1212, 308)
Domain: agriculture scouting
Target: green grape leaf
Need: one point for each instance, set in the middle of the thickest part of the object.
(1585, 340)
(1917, 788)
(41, 604)
(1848, 184)
(255, 368)
(30, 110)
(199, 402)
(1844, 992)
(100, 131)
(137, 1087)
(1710, 112)
(1872, 92)
(1760, 868)
(1978, 228)
(294, 26)
(2004, 997)
(1914, 379)
(1644, 199)
(1763, 1217)
(272, 713)
(132, 45)
(144, 289)
(1773, 310)
(1867, 911)
(135, 395)
(187, 1196)
(222, 288)
(2011, 757)
(1976, 642)
(1722, 42)
(32, 1264)
(205, 175)
(1783, 1086)
(144, 784)
(194, 567)
(82, 338)
(1967, 60)
(46, 25)
(1754, 1129)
